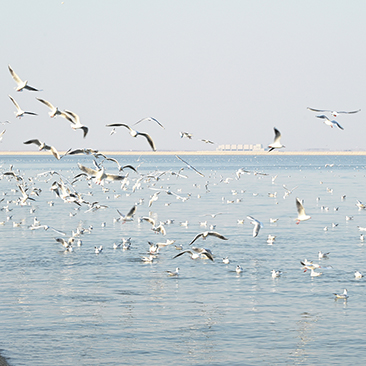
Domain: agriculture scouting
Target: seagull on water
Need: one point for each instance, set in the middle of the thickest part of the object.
(276, 273)
(344, 296)
(302, 216)
(20, 113)
(173, 274)
(238, 269)
(358, 275)
(20, 83)
(276, 143)
(134, 133)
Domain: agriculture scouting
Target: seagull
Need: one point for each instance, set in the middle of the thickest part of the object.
(76, 124)
(43, 146)
(150, 119)
(257, 225)
(173, 274)
(342, 296)
(302, 216)
(330, 123)
(20, 113)
(2, 134)
(315, 274)
(99, 175)
(358, 275)
(226, 260)
(323, 255)
(205, 234)
(207, 141)
(134, 133)
(20, 83)
(130, 214)
(98, 250)
(198, 252)
(190, 166)
(333, 113)
(276, 273)
(276, 143)
(238, 269)
(54, 110)
(186, 134)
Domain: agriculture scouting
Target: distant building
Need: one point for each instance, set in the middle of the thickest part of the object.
(240, 147)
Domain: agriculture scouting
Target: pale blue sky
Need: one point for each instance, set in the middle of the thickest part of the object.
(228, 71)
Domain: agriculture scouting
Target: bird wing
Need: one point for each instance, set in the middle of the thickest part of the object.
(300, 207)
(34, 141)
(85, 130)
(277, 135)
(318, 110)
(15, 103)
(195, 238)
(16, 78)
(55, 153)
(119, 125)
(87, 170)
(213, 233)
(348, 112)
(149, 139)
(74, 117)
(190, 166)
(181, 253)
(48, 104)
(149, 220)
(338, 125)
(114, 176)
(132, 211)
(150, 119)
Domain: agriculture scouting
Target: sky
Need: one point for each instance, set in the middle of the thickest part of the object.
(228, 71)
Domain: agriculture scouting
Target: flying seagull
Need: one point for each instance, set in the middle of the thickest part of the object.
(55, 111)
(99, 175)
(330, 123)
(205, 234)
(257, 225)
(134, 133)
(190, 166)
(20, 83)
(76, 124)
(43, 146)
(302, 216)
(333, 113)
(150, 119)
(20, 113)
(276, 143)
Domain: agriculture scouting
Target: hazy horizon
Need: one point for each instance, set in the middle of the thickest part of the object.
(226, 71)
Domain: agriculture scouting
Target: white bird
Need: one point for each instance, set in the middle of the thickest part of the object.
(238, 269)
(134, 133)
(76, 124)
(276, 273)
(129, 216)
(314, 273)
(54, 110)
(98, 250)
(226, 260)
(150, 119)
(173, 274)
(302, 216)
(322, 255)
(205, 234)
(2, 134)
(20, 113)
(99, 175)
(329, 122)
(198, 253)
(358, 275)
(332, 112)
(186, 134)
(360, 205)
(257, 225)
(20, 83)
(342, 296)
(276, 143)
(43, 146)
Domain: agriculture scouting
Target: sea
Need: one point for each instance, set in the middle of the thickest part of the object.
(62, 307)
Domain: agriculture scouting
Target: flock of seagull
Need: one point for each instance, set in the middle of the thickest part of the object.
(65, 190)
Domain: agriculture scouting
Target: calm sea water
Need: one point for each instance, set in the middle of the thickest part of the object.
(82, 308)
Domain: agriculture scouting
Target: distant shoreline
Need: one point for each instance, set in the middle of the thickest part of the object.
(205, 153)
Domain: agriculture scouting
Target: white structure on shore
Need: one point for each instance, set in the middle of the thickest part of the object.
(240, 147)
